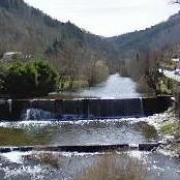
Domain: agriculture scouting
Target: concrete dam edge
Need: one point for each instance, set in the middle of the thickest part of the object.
(36, 109)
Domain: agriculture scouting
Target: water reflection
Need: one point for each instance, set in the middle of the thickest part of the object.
(115, 87)
(74, 133)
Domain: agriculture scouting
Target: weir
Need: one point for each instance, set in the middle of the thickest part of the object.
(42, 109)
(84, 149)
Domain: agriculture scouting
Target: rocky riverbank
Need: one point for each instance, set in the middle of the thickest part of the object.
(168, 128)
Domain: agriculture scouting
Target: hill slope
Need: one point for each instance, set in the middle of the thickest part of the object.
(27, 29)
(157, 38)
(24, 28)
(73, 51)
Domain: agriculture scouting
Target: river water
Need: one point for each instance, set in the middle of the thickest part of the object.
(133, 165)
(115, 86)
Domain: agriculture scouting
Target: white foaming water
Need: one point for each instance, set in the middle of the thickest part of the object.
(154, 120)
(141, 106)
(28, 114)
(24, 124)
(137, 154)
(15, 156)
(36, 114)
(35, 172)
(10, 105)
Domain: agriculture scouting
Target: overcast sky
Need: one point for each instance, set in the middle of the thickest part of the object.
(108, 17)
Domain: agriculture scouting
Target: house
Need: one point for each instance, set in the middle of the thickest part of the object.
(8, 56)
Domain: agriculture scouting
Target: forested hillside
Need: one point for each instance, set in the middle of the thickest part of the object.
(69, 48)
(28, 29)
(157, 38)
(80, 55)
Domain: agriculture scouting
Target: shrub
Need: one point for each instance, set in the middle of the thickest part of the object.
(35, 78)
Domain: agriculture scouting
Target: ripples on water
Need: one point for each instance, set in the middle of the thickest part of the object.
(92, 132)
(115, 87)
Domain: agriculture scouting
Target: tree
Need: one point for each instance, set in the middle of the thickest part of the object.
(29, 79)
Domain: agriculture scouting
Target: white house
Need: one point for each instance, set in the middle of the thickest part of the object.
(9, 55)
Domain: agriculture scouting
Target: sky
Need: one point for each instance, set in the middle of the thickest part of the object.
(108, 17)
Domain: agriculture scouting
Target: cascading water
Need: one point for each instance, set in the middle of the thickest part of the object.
(36, 114)
(92, 108)
(141, 107)
(10, 105)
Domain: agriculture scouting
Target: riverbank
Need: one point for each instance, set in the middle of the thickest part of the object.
(168, 128)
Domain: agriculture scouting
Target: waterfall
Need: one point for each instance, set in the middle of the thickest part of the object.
(43, 109)
(36, 114)
(10, 105)
(28, 114)
(141, 107)
(31, 102)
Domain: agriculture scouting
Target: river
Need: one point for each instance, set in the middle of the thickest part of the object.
(44, 165)
(115, 86)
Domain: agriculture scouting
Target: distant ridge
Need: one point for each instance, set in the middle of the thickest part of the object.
(159, 37)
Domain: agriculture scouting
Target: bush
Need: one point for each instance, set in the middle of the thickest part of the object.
(29, 79)
(170, 128)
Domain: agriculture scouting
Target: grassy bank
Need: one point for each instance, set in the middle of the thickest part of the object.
(11, 136)
(171, 128)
